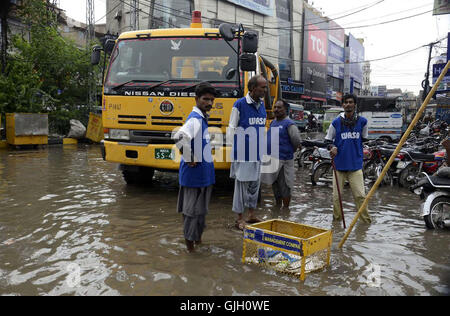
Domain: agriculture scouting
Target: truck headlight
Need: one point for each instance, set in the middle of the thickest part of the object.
(119, 134)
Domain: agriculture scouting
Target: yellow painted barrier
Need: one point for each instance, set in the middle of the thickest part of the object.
(397, 150)
(70, 141)
(26, 128)
(94, 130)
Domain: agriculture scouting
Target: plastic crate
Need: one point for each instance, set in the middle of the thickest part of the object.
(287, 247)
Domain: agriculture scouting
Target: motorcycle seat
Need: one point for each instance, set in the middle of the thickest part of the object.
(421, 156)
(387, 151)
(440, 181)
(312, 143)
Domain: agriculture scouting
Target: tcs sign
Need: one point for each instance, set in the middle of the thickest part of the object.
(317, 45)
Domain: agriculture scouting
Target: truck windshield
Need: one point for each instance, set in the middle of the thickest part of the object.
(176, 62)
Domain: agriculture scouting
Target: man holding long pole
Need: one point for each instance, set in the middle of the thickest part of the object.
(346, 135)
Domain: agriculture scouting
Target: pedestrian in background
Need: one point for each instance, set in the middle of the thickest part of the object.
(247, 116)
(346, 133)
(196, 175)
(287, 140)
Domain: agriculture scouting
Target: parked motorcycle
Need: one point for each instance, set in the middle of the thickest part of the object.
(415, 163)
(375, 158)
(322, 169)
(435, 192)
(308, 146)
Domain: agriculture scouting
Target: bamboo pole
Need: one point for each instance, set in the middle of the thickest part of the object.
(397, 150)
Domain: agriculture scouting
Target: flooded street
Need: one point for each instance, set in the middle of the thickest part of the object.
(70, 225)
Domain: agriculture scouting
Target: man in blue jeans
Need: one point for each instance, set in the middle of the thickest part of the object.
(346, 133)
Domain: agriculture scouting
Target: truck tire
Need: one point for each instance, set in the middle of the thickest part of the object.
(142, 177)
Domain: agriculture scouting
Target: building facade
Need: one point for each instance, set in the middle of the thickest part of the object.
(310, 50)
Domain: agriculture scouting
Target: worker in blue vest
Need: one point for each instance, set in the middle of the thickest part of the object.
(283, 139)
(247, 130)
(196, 175)
(346, 135)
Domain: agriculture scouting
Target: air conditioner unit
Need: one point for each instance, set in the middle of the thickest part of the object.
(118, 15)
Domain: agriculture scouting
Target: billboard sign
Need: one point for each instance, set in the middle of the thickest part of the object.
(264, 7)
(336, 60)
(315, 56)
(355, 58)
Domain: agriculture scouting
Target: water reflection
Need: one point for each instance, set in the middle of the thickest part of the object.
(70, 225)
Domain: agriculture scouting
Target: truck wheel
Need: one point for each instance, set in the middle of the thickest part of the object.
(142, 177)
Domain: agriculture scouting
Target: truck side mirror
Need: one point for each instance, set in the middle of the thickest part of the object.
(250, 43)
(226, 31)
(248, 62)
(95, 56)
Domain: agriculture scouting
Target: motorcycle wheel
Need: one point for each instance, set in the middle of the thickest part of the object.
(388, 178)
(323, 172)
(369, 171)
(440, 211)
(408, 176)
(302, 160)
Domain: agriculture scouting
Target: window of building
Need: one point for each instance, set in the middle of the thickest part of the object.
(171, 13)
(284, 47)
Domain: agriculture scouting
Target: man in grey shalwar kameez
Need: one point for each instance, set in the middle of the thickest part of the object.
(247, 116)
(283, 140)
(196, 174)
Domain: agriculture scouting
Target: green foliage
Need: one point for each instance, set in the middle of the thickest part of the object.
(46, 73)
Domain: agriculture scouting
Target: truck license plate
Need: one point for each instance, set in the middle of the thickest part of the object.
(163, 153)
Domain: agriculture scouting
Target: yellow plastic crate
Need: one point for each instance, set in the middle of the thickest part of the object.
(287, 247)
(94, 130)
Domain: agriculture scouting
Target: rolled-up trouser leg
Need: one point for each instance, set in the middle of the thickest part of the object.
(245, 195)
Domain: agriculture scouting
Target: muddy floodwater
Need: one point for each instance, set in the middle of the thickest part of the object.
(69, 225)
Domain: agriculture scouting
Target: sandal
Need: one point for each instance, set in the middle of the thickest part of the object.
(239, 225)
(253, 220)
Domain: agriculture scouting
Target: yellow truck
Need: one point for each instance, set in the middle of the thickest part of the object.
(149, 91)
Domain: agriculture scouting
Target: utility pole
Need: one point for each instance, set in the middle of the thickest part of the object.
(151, 11)
(90, 36)
(426, 82)
(134, 15)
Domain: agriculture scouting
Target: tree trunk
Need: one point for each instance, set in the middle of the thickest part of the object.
(4, 13)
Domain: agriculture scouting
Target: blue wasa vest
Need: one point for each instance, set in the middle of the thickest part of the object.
(249, 116)
(202, 175)
(286, 149)
(349, 144)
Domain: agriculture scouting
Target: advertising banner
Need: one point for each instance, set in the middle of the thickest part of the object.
(315, 56)
(282, 9)
(336, 60)
(356, 58)
(264, 7)
(336, 51)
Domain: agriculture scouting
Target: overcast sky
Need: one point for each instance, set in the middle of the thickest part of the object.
(380, 41)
